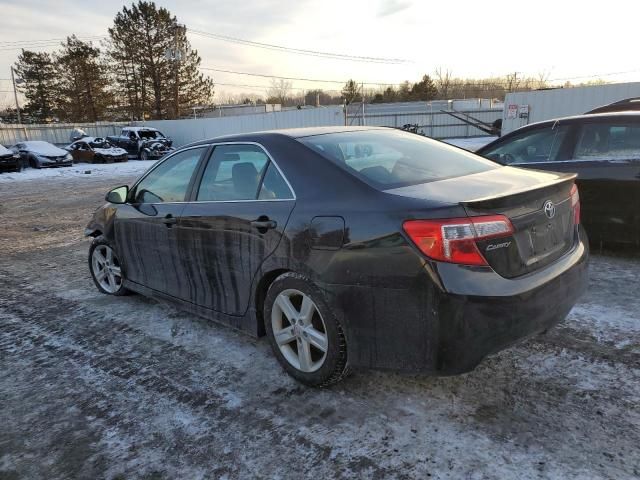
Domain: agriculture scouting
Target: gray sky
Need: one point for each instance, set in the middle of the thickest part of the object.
(471, 38)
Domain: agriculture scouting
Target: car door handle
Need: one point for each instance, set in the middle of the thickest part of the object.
(264, 223)
(169, 220)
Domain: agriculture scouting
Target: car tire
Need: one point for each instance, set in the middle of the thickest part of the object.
(33, 163)
(301, 356)
(144, 155)
(105, 268)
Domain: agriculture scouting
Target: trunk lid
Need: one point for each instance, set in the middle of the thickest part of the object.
(538, 204)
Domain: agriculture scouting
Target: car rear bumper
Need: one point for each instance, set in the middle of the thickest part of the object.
(453, 316)
(470, 327)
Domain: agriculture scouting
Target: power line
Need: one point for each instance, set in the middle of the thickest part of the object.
(317, 80)
(300, 51)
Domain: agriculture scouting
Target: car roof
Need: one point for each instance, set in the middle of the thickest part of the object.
(586, 116)
(141, 129)
(287, 132)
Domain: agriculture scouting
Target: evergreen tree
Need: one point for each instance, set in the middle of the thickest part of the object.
(37, 73)
(351, 92)
(154, 64)
(424, 90)
(83, 82)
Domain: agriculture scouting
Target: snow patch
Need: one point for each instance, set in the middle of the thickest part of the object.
(136, 167)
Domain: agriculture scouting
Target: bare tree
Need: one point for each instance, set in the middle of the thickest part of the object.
(280, 90)
(443, 82)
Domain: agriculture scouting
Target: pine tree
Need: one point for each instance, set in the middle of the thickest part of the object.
(38, 83)
(424, 90)
(83, 82)
(351, 92)
(154, 64)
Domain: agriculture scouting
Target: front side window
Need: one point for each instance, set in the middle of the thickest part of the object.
(233, 173)
(618, 141)
(169, 181)
(389, 158)
(541, 145)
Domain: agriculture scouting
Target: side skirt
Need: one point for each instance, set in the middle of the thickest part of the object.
(246, 323)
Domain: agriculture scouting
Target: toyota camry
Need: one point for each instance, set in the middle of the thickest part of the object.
(349, 247)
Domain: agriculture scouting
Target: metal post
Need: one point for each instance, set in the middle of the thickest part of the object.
(15, 96)
(364, 122)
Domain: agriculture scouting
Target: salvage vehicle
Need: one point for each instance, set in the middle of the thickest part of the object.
(9, 161)
(96, 150)
(603, 149)
(349, 247)
(144, 143)
(39, 154)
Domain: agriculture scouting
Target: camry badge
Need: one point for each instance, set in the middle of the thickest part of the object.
(549, 209)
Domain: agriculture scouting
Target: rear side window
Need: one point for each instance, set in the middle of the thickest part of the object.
(233, 173)
(169, 181)
(241, 172)
(608, 142)
(533, 146)
(389, 158)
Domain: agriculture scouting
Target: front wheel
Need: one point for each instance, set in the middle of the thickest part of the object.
(105, 268)
(304, 334)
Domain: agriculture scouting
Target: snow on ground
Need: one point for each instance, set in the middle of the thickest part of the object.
(472, 144)
(132, 167)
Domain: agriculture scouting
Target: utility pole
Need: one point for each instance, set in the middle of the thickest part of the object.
(15, 96)
(362, 89)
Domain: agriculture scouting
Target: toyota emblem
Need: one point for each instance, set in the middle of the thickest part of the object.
(549, 209)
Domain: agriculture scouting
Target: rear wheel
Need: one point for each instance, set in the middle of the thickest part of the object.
(105, 268)
(304, 334)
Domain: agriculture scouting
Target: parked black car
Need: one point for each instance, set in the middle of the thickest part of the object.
(603, 149)
(145, 143)
(349, 247)
(9, 161)
(39, 154)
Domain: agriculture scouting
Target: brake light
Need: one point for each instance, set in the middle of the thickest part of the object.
(575, 204)
(453, 240)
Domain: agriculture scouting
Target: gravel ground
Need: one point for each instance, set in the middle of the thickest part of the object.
(98, 387)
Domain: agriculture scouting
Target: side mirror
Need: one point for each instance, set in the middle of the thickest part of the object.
(118, 195)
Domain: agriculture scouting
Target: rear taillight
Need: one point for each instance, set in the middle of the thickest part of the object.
(575, 204)
(454, 239)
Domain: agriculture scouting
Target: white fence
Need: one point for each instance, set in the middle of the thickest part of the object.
(187, 131)
(434, 124)
(54, 133)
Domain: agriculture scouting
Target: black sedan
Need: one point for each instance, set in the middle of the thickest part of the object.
(9, 160)
(349, 247)
(603, 149)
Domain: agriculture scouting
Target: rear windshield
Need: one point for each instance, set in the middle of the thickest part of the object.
(390, 158)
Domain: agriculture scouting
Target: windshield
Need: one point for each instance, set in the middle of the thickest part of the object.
(390, 158)
(150, 134)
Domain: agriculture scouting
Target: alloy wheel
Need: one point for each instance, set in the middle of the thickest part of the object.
(299, 330)
(106, 268)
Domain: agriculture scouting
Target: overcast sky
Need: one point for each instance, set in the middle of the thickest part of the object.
(470, 38)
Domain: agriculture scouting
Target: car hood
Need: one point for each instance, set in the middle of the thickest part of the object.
(47, 151)
(113, 151)
(5, 151)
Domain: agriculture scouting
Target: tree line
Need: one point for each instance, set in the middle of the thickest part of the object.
(145, 69)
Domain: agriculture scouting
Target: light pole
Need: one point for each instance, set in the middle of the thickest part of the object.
(15, 96)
